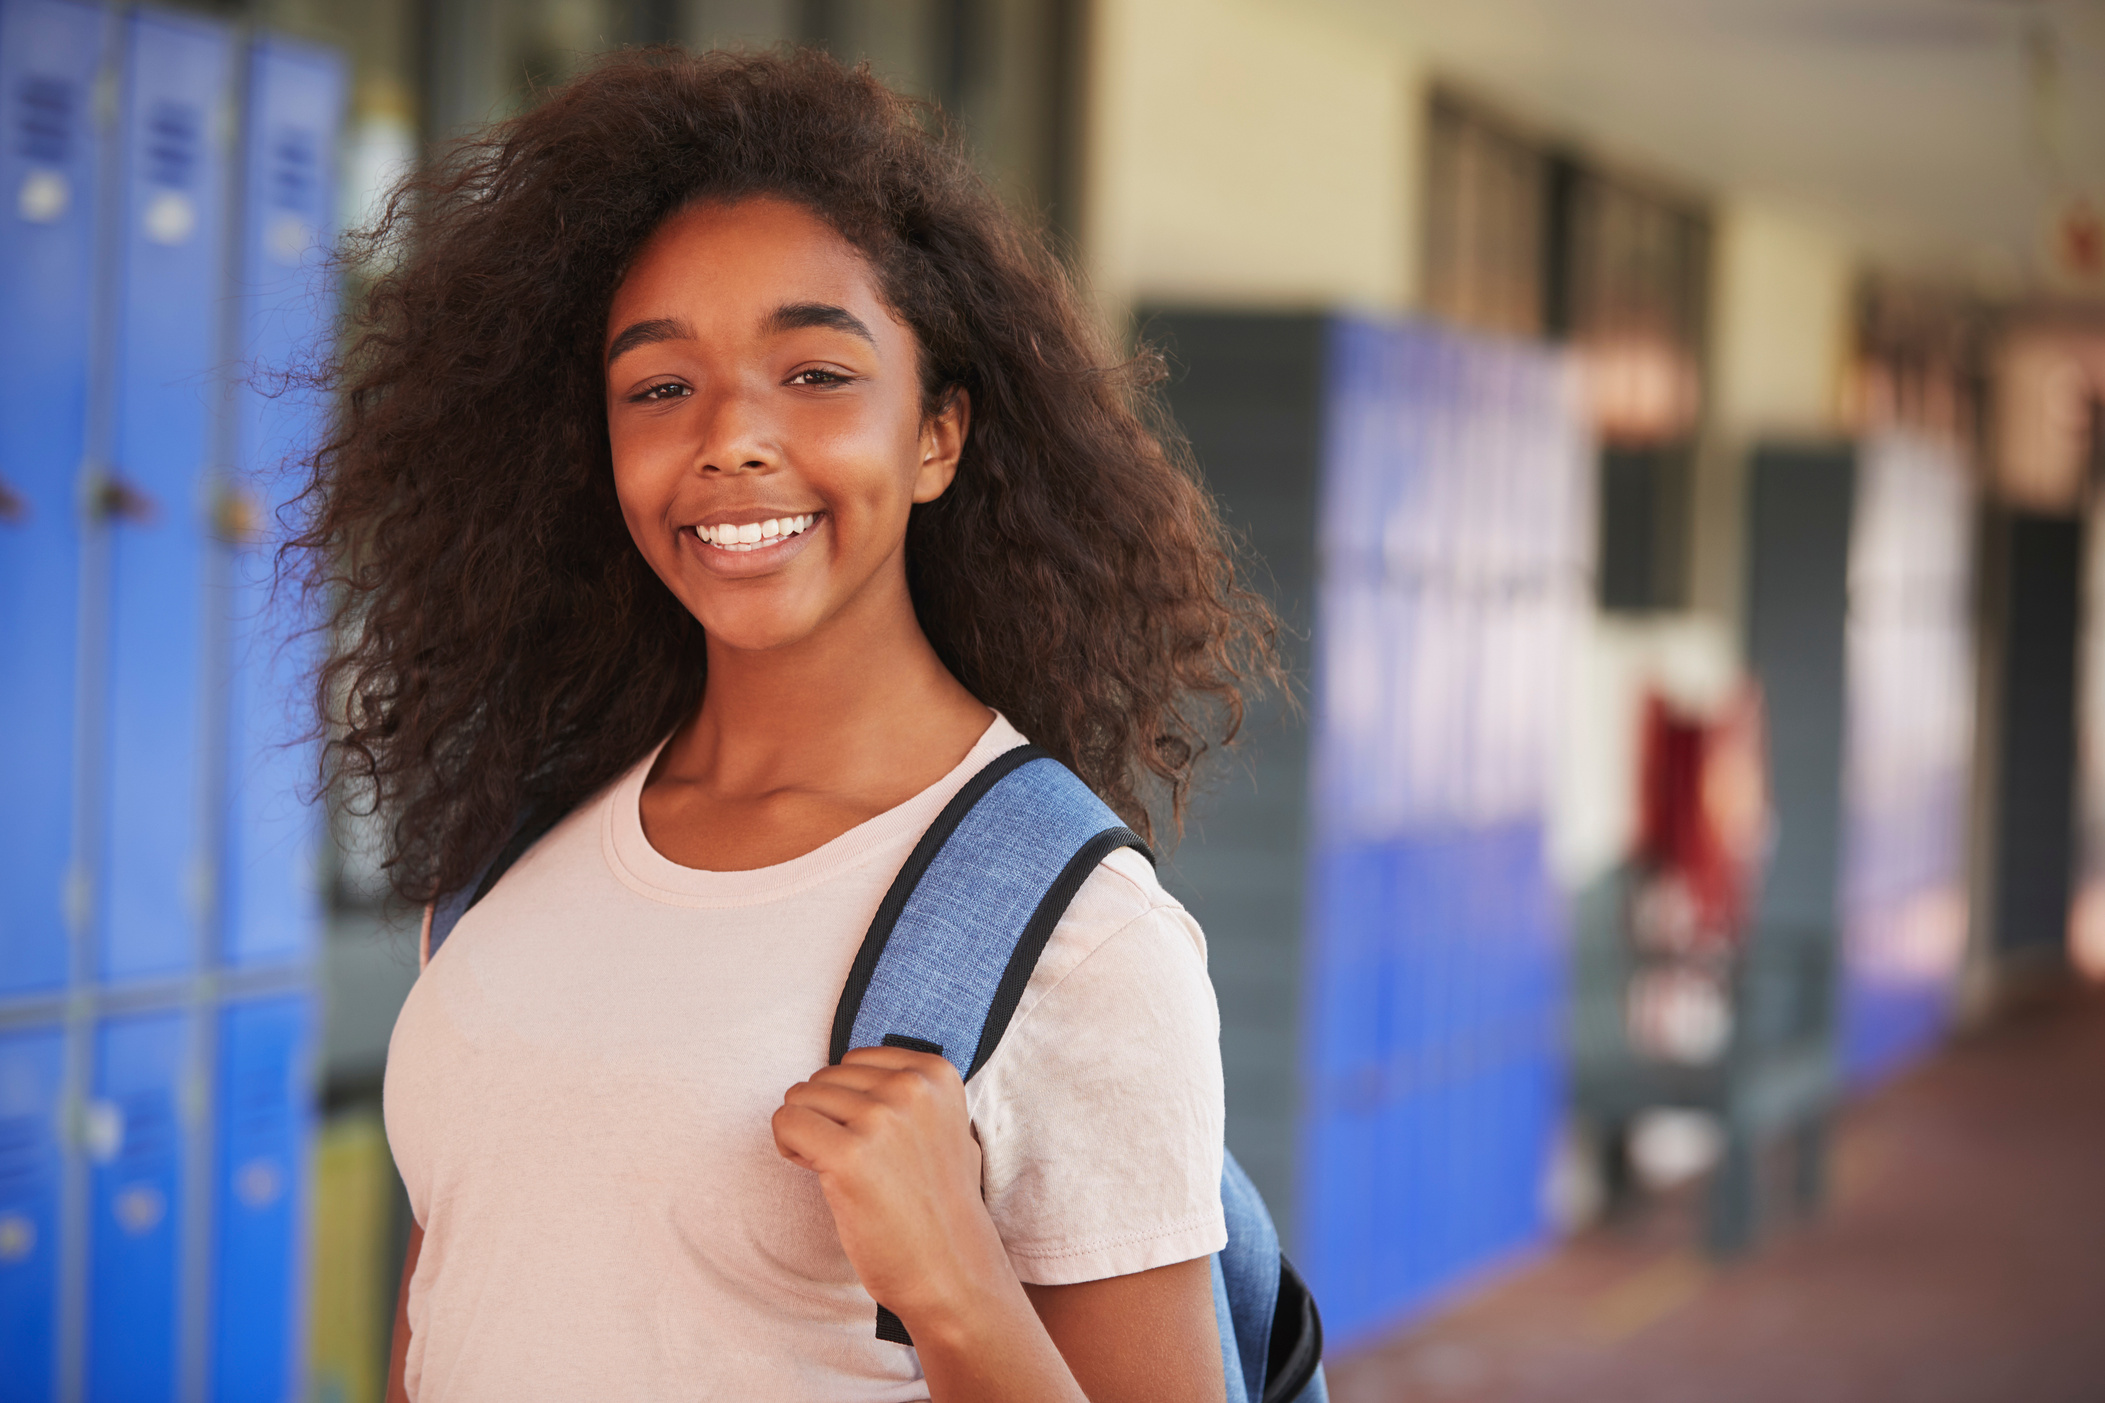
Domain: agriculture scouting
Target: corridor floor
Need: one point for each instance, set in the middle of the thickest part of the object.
(1961, 1260)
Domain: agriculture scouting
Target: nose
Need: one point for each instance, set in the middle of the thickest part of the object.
(736, 435)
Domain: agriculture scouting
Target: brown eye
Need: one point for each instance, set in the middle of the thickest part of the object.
(671, 389)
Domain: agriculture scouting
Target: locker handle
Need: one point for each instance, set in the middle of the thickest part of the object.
(14, 507)
(114, 499)
(237, 518)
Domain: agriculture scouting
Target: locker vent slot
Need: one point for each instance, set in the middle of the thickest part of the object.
(149, 1129)
(292, 169)
(172, 138)
(22, 1156)
(262, 1099)
(44, 118)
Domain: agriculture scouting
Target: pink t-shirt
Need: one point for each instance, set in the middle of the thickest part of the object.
(579, 1090)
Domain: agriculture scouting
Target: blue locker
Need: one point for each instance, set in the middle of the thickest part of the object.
(296, 100)
(167, 362)
(1434, 946)
(136, 1128)
(1908, 738)
(265, 1123)
(32, 1069)
(50, 173)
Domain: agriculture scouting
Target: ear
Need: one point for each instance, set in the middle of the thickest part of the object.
(942, 443)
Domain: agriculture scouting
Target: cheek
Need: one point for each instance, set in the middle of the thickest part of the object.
(644, 488)
(641, 455)
(875, 464)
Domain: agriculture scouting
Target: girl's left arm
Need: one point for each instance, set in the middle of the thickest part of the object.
(1148, 1335)
(888, 1135)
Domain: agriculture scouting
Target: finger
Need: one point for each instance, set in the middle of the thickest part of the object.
(857, 1076)
(805, 1137)
(910, 1091)
(900, 1059)
(840, 1104)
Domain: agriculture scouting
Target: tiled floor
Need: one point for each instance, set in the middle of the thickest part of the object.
(1961, 1260)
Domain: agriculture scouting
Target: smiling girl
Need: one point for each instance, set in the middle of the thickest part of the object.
(723, 469)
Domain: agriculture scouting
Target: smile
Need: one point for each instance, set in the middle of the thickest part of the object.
(754, 535)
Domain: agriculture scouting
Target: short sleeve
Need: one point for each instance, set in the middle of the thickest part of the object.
(1100, 1115)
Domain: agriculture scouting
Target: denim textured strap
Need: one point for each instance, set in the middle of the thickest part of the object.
(955, 940)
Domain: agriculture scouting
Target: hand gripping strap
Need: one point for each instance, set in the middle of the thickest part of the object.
(955, 940)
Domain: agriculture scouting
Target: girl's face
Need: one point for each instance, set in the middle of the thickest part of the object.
(765, 412)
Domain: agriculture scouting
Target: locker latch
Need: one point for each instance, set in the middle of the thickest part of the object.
(111, 498)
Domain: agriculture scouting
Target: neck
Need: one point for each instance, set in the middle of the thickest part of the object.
(835, 709)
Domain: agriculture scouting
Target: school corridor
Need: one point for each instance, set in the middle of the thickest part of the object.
(1961, 1259)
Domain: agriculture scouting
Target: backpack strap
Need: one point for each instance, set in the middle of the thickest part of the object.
(442, 915)
(956, 937)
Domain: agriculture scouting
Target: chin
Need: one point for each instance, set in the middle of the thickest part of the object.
(755, 630)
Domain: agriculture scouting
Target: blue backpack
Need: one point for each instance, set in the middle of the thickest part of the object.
(942, 969)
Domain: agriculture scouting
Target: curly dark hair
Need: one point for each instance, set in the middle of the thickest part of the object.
(500, 644)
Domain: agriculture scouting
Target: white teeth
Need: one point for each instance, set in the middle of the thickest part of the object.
(754, 535)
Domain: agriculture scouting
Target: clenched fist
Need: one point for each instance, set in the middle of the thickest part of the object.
(887, 1134)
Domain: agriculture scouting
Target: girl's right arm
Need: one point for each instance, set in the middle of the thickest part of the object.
(397, 1392)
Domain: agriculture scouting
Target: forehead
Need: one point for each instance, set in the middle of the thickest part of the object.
(744, 259)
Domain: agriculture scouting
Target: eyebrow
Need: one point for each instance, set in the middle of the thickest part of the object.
(790, 316)
(795, 316)
(648, 333)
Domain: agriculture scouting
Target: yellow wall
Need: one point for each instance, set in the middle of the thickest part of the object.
(1780, 318)
(1780, 322)
(1249, 153)
(348, 1330)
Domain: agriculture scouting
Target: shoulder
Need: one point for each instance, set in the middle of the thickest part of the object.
(1123, 903)
(1100, 1114)
(1127, 961)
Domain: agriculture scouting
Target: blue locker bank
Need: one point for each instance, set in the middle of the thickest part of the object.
(1382, 926)
(158, 907)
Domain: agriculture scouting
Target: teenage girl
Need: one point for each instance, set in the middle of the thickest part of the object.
(722, 467)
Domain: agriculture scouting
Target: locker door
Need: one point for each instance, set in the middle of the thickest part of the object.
(32, 1066)
(50, 52)
(296, 98)
(166, 362)
(136, 1128)
(265, 1127)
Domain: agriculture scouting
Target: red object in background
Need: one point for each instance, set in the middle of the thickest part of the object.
(2080, 241)
(1703, 813)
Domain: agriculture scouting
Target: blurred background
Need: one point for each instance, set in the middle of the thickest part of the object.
(1655, 961)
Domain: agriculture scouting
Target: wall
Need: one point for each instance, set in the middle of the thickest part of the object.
(1251, 154)
(1779, 341)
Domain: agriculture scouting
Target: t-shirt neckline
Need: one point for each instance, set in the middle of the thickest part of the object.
(650, 873)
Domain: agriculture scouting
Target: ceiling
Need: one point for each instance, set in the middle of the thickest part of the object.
(1934, 135)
